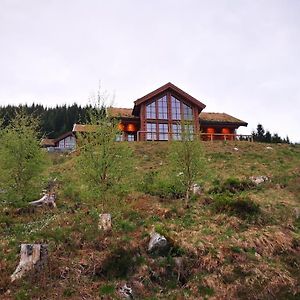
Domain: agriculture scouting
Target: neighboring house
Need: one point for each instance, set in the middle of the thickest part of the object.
(159, 115)
(66, 142)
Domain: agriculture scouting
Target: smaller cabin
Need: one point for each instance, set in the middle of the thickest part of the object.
(64, 143)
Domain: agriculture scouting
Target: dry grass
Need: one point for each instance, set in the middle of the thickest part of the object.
(225, 256)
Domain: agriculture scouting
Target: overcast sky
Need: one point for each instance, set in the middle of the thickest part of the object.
(239, 57)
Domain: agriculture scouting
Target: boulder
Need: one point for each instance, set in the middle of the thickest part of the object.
(259, 179)
(33, 257)
(158, 243)
(104, 222)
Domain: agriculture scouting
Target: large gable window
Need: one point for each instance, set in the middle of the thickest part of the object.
(164, 116)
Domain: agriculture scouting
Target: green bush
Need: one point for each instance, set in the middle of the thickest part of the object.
(107, 289)
(242, 207)
(231, 185)
(154, 184)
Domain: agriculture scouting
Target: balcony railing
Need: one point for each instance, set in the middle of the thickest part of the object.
(154, 136)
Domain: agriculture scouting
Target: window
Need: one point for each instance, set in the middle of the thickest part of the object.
(176, 132)
(162, 108)
(150, 111)
(119, 137)
(164, 115)
(175, 106)
(187, 112)
(151, 131)
(189, 132)
(163, 132)
(130, 137)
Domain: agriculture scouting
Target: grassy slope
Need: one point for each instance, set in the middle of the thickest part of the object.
(224, 256)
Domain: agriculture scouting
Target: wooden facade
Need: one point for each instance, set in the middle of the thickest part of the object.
(167, 112)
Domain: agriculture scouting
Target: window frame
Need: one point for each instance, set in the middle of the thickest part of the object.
(169, 121)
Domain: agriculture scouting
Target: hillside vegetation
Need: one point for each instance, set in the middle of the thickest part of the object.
(237, 240)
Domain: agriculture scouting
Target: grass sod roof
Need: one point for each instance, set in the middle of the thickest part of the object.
(205, 117)
(211, 117)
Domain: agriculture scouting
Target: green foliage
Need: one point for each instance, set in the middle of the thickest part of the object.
(54, 120)
(205, 291)
(232, 185)
(266, 137)
(243, 208)
(68, 292)
(107, 289)
(187, 162)
(22, 160)
(157, 184)
(119, 264)
(104, 165)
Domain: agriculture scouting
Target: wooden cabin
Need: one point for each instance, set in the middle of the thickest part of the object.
(159, 115)
(65, 142)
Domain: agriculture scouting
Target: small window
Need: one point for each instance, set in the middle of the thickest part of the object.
(119, 137)
(130, 138)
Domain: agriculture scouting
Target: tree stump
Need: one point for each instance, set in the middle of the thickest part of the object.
(104, 222)
(47, 200)
(158, 243)
(33, 256)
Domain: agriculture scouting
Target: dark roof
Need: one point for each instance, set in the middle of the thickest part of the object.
(164, 88)
(51, 142)
(69, 133)
(220, 118)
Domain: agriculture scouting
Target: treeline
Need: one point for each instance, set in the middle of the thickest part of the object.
(54, 121)
(260, 135)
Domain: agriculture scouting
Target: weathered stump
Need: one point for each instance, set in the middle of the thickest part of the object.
(196, 189)
(158, 243)
(33, 256)
(104, 222)
(47, 200)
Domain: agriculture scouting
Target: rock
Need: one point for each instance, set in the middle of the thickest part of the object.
(33, 256)
(259, 179)
(196, 189)
(158, 243)
(104, 222)
(125, 292)
(269, 148)
(236, 149)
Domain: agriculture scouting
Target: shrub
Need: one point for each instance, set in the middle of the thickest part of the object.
(22, 160)
(107, 289)
(232, 185)
(242, 207)
(154, 184)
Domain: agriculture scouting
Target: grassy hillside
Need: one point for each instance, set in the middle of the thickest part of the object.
(235, 241)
